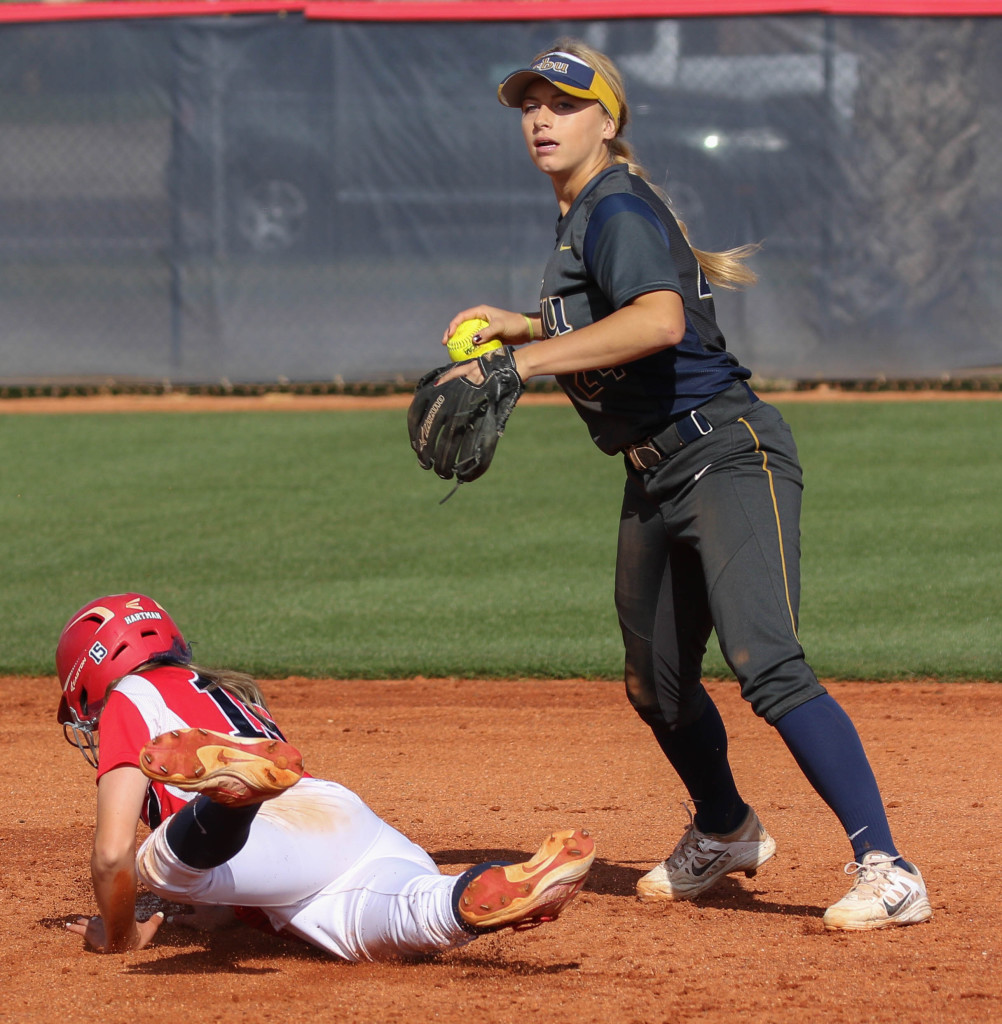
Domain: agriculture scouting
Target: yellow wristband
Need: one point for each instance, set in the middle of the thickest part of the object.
(528, 323)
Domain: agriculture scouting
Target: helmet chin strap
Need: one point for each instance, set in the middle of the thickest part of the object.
(82, 736)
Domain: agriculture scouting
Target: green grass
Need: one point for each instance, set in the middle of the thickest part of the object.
(902, 552)
(311, 543)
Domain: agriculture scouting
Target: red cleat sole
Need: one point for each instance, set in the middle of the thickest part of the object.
(532, 893)
(232, 770)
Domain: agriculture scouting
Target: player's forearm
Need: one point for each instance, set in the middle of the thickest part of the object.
(629, 333)
(120, 795)
(115, 891)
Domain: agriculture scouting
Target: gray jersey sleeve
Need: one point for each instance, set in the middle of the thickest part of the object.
(627, 250)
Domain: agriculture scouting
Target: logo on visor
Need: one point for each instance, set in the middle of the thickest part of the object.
(560, 66)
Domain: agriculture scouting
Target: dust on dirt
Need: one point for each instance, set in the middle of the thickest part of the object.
(476, 770)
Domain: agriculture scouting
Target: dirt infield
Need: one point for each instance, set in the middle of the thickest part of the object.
(475, 770)
(283, 401)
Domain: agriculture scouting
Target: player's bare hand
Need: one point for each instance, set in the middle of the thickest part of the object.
(502, 324)
(206, 919)
(93, 932)
(470, 370)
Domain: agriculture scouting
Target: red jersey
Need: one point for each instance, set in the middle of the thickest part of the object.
(169, 697)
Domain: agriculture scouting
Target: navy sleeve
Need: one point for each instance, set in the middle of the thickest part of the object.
(626, 250)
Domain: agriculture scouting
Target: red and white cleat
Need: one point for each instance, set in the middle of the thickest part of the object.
(232, 770)
(529, 894)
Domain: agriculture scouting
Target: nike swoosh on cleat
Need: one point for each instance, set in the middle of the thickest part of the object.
(699, 872)
(896, 908)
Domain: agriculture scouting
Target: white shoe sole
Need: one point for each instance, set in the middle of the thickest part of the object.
(919, 911)
(655, 885)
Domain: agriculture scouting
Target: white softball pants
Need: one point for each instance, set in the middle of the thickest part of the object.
(323, 866)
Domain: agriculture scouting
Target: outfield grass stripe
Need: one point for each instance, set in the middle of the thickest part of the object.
(311, 543)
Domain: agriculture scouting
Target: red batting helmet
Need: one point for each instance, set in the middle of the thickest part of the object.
(105, 640)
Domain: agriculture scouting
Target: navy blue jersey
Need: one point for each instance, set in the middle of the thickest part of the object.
(620, 240)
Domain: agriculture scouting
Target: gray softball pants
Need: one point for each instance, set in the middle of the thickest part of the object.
(709, 539)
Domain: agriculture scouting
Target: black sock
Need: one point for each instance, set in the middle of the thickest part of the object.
(698, 752)
(204, 834)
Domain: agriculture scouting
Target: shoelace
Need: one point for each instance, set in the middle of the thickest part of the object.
(688, 844)
(870, 875)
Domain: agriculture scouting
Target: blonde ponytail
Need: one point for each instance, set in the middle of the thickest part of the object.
(622, 153)
(726, 269)
(237, 684)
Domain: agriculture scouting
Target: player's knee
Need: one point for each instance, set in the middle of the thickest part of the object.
(772, 694)
(663, 707)
(638, 675)
(642, 698)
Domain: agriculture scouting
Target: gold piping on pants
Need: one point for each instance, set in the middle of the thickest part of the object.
(779, 525)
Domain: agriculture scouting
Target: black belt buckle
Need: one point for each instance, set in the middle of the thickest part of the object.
(644, 456)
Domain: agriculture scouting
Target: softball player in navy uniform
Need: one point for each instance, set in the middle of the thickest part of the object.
(709, 530)
(240, 830)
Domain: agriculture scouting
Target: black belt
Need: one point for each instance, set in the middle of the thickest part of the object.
(724, 407)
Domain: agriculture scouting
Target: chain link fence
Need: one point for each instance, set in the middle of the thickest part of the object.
(269, 199)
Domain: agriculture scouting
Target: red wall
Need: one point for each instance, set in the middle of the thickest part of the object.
(492, 10)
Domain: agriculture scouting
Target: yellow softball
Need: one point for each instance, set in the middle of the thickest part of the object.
(461, 346)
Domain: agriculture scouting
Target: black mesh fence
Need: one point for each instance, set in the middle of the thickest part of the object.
(263, 199)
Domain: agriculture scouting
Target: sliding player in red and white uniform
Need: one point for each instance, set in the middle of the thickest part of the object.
(238, 824)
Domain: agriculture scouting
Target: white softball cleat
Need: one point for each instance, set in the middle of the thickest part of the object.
(701, 859)
(886, 891)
